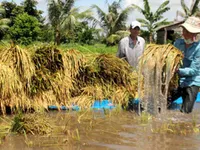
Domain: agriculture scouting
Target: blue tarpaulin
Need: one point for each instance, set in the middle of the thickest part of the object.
(180, 100)
(98, 104)
(107, 104)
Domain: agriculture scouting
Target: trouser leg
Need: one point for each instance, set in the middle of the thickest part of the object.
(175, 94)
(189, 96)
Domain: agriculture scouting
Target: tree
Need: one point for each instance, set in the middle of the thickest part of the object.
(58, 12)
(12, 10)
(153, 21)
(79, 21)
(82, 33)
(8, 6)
(4, 22)
(113, 21)
(64, 18)
(30, 9)
(26, 29)
(188, 11)
(47, 34)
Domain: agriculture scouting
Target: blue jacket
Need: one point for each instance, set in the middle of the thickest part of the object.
(189, 72)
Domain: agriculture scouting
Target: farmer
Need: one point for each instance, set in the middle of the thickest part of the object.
(131, 47)
(189, 72)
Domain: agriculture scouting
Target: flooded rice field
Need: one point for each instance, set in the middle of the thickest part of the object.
(112, 130)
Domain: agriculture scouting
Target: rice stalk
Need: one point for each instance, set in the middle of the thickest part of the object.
(20, 60)
(157, 66)
(101, 74)
(49, 58)
(49, 63)
(31, 124)
(44, 99)
(73, 61)
(61, 85)
(11, 90)
(83, 101)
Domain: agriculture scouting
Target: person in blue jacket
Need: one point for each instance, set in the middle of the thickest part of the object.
(189, 72)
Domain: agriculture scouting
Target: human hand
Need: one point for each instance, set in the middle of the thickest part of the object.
(176, 70)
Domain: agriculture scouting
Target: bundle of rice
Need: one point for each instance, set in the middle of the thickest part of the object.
(11, 91)
(53, 73)
(48, 58)
(102, 75)
(157, 65)
(43, 100)
(48, 62)
(74, 61)
(20, 60)
(61, 85)
(31, 124)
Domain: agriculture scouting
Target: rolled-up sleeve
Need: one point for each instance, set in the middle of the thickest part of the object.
(120, 52)
(194, 67)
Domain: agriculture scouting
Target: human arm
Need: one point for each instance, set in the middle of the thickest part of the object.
(191, 62)
(120, 52)
(193, 69)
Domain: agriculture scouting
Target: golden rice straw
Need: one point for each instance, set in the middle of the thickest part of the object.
(20, 60)
(157, 66)
(74, 61)
(44, 99)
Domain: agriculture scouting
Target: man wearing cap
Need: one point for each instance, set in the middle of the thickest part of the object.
(189, 72)
(131, 48)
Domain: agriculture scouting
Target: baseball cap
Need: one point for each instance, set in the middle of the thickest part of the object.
(135, 24)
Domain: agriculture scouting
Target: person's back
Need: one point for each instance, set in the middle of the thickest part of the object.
(131, 48)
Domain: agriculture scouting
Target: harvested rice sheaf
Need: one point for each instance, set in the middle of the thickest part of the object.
(10, 83)
(74, 61)
(49, 58)
(48, 62)
(102, 75)
(53, 73)
(11, 90)
(31, 123)
(43, 100)
(20, 60)
(157, 66)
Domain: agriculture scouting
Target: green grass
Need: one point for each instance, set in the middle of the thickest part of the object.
(97, 48)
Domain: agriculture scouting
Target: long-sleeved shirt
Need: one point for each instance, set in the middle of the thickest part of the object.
(129, 51)
(189, 72)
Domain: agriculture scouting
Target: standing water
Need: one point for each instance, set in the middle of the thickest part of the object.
(116, 131)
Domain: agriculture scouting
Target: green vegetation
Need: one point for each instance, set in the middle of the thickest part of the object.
(4, 22)
(189, 11)
(25, 30)
(152, 20)
(114, 22)
(96, 48)
(66, 24)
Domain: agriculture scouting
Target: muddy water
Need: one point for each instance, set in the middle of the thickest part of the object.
(114, 131)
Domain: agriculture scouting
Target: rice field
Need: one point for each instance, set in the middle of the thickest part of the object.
(35, 77)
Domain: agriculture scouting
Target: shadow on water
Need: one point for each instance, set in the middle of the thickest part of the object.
(119, 131)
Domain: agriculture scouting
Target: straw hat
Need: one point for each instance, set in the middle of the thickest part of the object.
(192, 24)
